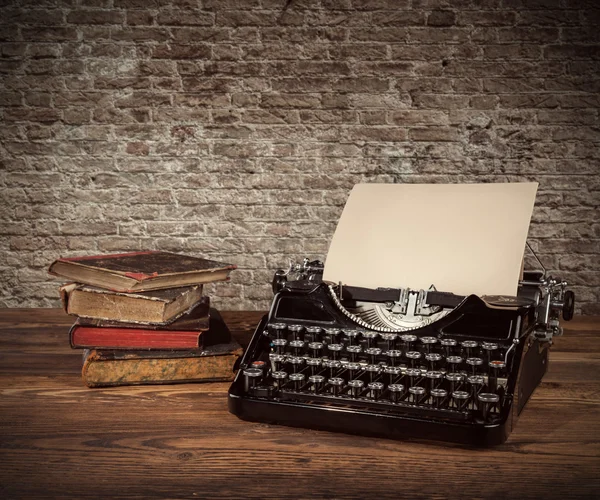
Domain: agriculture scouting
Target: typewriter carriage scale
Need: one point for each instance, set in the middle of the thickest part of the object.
(398, 363)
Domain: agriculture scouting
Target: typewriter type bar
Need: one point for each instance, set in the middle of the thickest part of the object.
(463, 378)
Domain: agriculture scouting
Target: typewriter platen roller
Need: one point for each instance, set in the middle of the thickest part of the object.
(398, 363)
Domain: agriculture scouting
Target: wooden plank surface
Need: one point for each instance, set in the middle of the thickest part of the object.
(60, 439)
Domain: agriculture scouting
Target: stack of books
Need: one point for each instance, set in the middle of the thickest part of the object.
(142, 318)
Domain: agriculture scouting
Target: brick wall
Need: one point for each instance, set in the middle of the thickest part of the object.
(235, 129)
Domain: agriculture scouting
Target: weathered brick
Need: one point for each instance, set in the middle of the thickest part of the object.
(95, 16)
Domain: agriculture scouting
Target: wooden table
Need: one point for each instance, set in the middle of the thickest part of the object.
(59, 438)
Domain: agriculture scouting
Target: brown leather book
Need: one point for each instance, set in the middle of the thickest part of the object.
(140, 271)
(154, 307)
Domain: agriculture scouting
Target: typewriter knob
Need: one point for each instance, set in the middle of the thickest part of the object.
(393, 355)
(279, 280)
(438, 396)
(454, 380)
(316, 382)
(336, 384)
(297, 379)
(416, 393)
(486, 402)
(461, 399)
(251, 377)
(434, 379)
(393, 372)
(354, 351)
(396, 391)
(355, 387)
(375, 389)
(352, 368)
(568, 309)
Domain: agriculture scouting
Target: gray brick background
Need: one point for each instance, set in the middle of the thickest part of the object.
(235, 129)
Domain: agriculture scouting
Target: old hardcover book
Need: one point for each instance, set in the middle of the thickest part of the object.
(140, 271)
(190, 331)
(106, 368)
(158, 307)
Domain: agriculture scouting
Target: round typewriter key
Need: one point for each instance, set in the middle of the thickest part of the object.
(416, 394)
(486, 402)
(461, 399)
(496, 369)
(370, 338)
(393, 356)
(333, 366)
(351, 336)
(353, 369)
(475, 364)
(433, 359)
(261, 365)
(453, 363)
(297, 347)
(375, 389)
(316, 348)
(336, 384)
(313, 364)
(408, 340)
(278, 378)
(279, 345)
(278, 330)
(316, 382)
(489, 348)
(373, 371)
(354, 351)
(251, 377)
(434, 378)
(413, 358)
(276, 361)
(413, 375)
(438, 396)
(448, 345)
(390, 339)
(393, 372)
(314, 332)
(396, 391)
(373, 352)
(296, 362)
(454, 380)
(334, 335)
(297, 331)
(355, 387)
(476, 383)
(469, 347)
(334, 350)
(428, 343)
(296, 379)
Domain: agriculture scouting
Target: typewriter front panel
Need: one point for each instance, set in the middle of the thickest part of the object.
(308, 365)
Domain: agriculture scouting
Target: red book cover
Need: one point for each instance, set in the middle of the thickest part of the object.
(86, 337)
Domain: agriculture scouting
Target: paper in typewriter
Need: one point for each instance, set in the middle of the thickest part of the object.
(461, 238)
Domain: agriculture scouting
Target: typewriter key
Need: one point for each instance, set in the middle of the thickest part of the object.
(278, 379)
(354, 351)
(276, 361)
(316, 349)
(351, 336)
(297, 347)
(486, 402)
(461, 400)
(396, 392)
(413, 358)
(453, 363)
(261, 365)
(428, 343)
(408, 340)
(355, 387)
(413, 375)
(334, 350)
(279, 345)
(496, 368)
(314, 332)
(416, 394)
(316, 382)
(278, 330)
(251, 378)
(393, 356)
(297, 331)
(454, 381)
(438, 396)
(448, 345)
(373, 352)
(373, 371)
(353, 369)
(475, 364)
(296, 362)
(489, 348)
(334, 335)
(333, 366)
(369, 338)
(389, 339)
(469, 347)
(336, 384)
(296, 379)
(435, 378)
(375, 389)
(476, 382)
(393, 372)
(313, 364)
(433, 359)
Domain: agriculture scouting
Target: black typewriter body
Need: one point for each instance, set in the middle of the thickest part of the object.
(464, 376)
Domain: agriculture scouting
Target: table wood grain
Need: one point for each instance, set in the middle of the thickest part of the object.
(60, 439)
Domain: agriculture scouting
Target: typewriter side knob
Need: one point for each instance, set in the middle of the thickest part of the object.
(279, 280)
(568, 308)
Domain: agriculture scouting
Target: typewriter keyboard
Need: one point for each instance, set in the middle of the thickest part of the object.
(442, 378)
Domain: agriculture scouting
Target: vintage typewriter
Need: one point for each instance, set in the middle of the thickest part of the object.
(398, 363)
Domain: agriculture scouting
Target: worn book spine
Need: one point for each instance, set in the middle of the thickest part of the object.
(101, 372)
